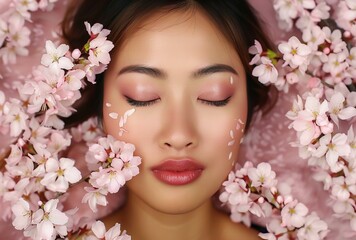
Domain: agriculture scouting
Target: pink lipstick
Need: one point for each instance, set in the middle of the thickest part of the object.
(178, 172)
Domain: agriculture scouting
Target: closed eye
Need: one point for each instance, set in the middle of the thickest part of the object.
(136, 103)
(219, 103)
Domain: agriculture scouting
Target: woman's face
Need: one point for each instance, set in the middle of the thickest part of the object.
(187, 87)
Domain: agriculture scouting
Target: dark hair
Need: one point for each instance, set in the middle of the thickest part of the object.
(236, 20)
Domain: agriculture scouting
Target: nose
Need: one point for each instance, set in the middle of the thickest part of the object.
(179, 130)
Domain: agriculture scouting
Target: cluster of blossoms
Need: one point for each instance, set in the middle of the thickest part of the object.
(322, 66)
(36, 174)
(14, 34)
(255, 190)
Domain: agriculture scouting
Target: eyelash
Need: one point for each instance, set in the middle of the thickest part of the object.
(136, 103)
(219, 103)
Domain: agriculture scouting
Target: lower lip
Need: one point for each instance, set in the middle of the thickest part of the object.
(177, 178)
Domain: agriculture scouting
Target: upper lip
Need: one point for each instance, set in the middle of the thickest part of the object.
(178, 165)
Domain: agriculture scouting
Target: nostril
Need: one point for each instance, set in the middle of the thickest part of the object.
(168, 145)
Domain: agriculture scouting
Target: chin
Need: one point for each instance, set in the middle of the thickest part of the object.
(176, 206)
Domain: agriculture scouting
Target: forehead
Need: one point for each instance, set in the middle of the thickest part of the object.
(179, 34)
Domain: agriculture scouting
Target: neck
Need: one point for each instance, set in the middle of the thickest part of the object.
(144, 223)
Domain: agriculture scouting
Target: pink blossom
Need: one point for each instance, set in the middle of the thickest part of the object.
(96, 30)
(262, 176)
(74, 79)
(58, 141)
(36, 132)
(59, 174)
(108, 178)
(114, 233)
(286, 11)
(335, 39)
(235, 193)
(99, 51)
(54, 58)
(23, 214)
(275, 229)
(88, 131)
(314, 228)
(333, 147)
(9, 52)
(338, 109)
(49, 221)
(16, 117)
(343, 188)
(95, 197)
(295, 53)
(336, 63)
(306, 120)
(297, 106)
(256, 50)
(294, 214)
(30, 5)
(313, 37)
(266, 71)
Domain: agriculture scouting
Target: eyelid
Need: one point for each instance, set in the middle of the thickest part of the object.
(217, 103)
(137, 103)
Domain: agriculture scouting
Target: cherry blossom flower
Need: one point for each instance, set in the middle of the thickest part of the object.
(336, 63)
(275, 231)
(99, 51)
(36, 132)
(337, 109)
(95, 197)
(110, 178)
(88, 131)
(295, 53)
(286, 11)
(235, 192)
(306, 120)
(313, 229)
(294, 214)
(96, 30)
(114, 233)
(314, 37)
(266, 71)
(49, 221)
(262, 175)
(334, 38)
(59, 174)
(55, 58)
(30, 5)
(23, 214)
(343, 188)
(15, 116)
(333, 147)
(255, 50)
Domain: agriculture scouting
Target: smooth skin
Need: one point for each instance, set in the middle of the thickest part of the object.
(175, 70)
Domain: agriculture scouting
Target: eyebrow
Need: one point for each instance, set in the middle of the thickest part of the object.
(157, 73)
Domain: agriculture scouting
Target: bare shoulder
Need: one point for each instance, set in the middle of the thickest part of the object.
(236, 231)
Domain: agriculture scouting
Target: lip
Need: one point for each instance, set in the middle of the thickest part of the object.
(178, 171)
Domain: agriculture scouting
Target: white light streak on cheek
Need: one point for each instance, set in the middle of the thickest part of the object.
(232, 141)
(113, 115)
(108, 104)
(123, 121)
(238, 125)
